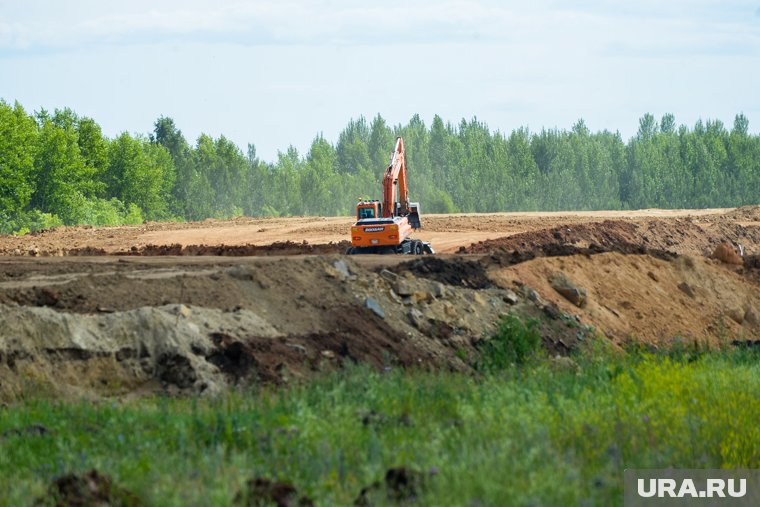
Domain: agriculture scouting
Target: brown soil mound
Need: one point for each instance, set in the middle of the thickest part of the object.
(601, 235)
(642, 298)
(676, 236)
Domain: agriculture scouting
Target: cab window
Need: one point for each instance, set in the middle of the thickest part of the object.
(366, 213)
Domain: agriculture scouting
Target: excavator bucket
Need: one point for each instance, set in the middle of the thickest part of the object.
(414, 215)
(414, 220)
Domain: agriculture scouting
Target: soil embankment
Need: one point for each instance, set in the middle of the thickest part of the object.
(201, 307)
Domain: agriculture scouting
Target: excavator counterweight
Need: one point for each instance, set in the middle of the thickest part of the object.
(386, 227)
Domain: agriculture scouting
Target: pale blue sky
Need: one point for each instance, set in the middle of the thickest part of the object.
(275, 73)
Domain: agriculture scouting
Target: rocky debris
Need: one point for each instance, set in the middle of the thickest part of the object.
(402, 485)
(416, 318)
(725, 253)
(403, 287)
(553, 312)
(686, 289)
(91, 489)
(263, 492)
(439, 290)
(421, 296)
(568, 290)
(375, 307)
(182, 311)
(534, 296)
(395, 297)
(390, 276)
(342, 268)
(510, 297)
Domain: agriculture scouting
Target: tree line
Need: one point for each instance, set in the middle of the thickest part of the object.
(59, 168)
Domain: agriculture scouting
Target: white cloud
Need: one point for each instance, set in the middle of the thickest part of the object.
(643, 27)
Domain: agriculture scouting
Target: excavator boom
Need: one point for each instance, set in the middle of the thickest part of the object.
(395, 190)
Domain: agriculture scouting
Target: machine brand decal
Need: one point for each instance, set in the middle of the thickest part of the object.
(374, 229)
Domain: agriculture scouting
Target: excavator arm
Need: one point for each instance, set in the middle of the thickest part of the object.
(395, 189)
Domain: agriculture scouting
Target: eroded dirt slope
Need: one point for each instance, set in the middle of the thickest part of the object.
(122, 326)
(640, 298)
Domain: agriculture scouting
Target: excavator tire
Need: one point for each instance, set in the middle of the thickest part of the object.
(417, 248)
(350, 251)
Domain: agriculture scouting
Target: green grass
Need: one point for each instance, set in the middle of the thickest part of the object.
(547, 433)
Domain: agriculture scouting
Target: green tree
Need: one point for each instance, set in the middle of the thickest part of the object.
(352, 148)
(380, 146)
(166, 133)
(18, 136)
(140, 173)
(63, 179)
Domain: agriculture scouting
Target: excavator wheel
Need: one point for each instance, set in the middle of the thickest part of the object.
(417, 247)
(350, 251)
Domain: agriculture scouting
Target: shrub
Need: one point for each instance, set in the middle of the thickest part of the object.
(133, 215)
(112, 212)
(29, 221)
(513, 342)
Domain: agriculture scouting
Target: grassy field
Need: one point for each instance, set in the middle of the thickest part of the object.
(547, 433)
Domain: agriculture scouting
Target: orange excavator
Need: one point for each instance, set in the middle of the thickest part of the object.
(386, 227)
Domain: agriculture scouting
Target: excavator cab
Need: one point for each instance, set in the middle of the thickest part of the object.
(369, 210)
